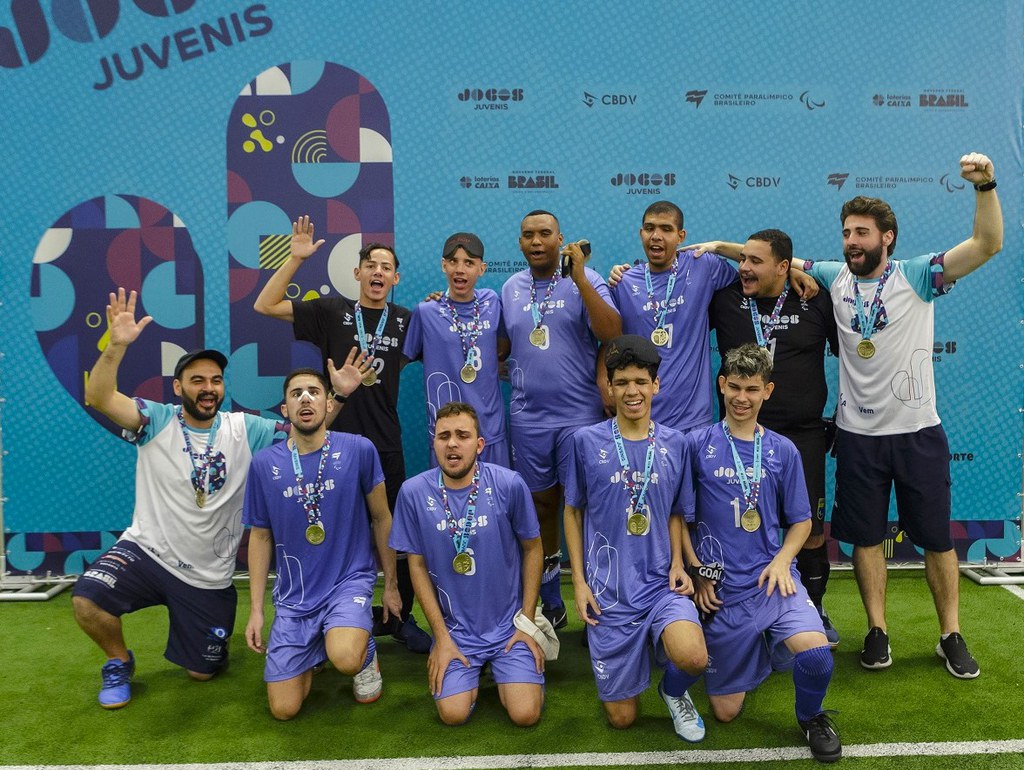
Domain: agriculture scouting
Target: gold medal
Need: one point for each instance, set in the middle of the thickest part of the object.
(462, 563)
(468, 373)
(315, 533)
(200, 497)
(865, 348)
(539, 337)
(750, 520)
(370, 377)
(660, 337)
(638, 524)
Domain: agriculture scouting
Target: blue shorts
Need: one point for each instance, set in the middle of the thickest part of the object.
(516, 666)
(867, 467)
(619, 654)
(541, 455)
(296, 644)
(496, 452)
(126, 579)
(738, 655)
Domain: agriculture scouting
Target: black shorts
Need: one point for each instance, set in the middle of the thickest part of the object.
(867, 467)
(126, 578)
(811, 445)
(393, 465)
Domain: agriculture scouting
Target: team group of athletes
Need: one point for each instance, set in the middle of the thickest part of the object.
(672, 521)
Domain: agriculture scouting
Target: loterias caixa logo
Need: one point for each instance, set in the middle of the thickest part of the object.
(31, 34)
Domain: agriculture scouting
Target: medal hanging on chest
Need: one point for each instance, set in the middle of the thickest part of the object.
(539, 334)
(468, 333)
(638, 520)
(750, 521)
(370, 346)
(201, 465)
(866, 320)
(310, 499)
(763, 335)
(463, 563)
(660, 335)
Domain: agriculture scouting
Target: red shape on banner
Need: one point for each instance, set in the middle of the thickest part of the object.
(343, 128)
(341, 218)
(124, 263)
(238, 190)
(241, 282)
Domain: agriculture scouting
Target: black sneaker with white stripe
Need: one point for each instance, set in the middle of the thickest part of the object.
(876, 653)
(959, 661)
(823, 738)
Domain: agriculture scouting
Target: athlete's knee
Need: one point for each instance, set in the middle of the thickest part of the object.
(620, 716)
(453, 716)
(524, 714)
(197, 676)
(283, 709)
(348, 661)
(726, 711)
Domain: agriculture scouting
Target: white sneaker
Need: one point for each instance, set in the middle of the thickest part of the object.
(685, 719)
(367, 684)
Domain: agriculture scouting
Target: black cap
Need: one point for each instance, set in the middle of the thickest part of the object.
(631, 349)
(468, 241)
(213, 355)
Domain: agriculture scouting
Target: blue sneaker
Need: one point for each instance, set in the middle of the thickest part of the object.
(117, 689)
(830, 631)
(413, 637)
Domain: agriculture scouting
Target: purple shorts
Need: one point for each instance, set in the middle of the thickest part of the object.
(542, 454)
(296, 644)
(738, 656)
(516, 666)
(620, 654)
(126, 579)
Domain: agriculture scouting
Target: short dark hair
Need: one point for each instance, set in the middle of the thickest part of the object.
(364, 253)
(780, 243)
(665, 207)
(305, 370)
(455, 408)
(877, 209)
(748, 360)
(631, 350)
(541, 213)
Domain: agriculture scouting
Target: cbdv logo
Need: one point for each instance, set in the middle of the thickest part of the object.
(491, 99)
(532, 180)
(643, 183)
(754, 182)
(609, 100)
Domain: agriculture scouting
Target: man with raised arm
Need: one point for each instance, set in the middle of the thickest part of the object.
(310, 502)
(474, 548)
(555, 326)
(376, 327)
(624, 530)
(180, 548)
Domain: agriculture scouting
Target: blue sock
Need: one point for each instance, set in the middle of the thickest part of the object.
(371, 650)
(677, 682)
(812, 671)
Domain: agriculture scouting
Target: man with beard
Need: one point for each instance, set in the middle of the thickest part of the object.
(555, 326)
(475, 554)
(891, 435)
(179, 550)
(310, 501)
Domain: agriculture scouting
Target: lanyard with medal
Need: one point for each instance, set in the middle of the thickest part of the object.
(764, 335)
(370, 349)
(201, 472)
(463, 562)
(637, 521)
(315, 533)
(539, 334)
(751, 487)
(468, 334)
(660, 335)
(866, 348)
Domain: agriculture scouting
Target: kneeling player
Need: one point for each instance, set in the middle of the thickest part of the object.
(475, 557)
(623, 506)
(745, 478)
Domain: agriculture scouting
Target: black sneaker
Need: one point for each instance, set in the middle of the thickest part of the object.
(556, 614)
(823, 738)
(959, 661)
(876, 652)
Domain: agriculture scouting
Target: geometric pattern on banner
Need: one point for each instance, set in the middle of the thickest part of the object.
(312, 138)
(974, 541)
(99, 245)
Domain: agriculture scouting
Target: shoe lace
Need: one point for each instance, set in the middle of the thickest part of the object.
(821, 725)
(685, 706)
(115, 674)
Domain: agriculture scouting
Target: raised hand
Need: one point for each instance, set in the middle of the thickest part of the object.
(303, 245)
(977, 168)
(124, 329)
(349, 377)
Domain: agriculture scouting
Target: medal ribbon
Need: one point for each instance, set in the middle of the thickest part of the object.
(751, 487)
(636, 499)
(659, 315)
(867, 321)
(311, 500)
(468, 333)
(361, 330)
(764, 335)
(460, 539)
(201, 472)
(536, 310)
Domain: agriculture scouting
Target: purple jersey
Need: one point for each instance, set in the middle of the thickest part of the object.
(715, 502)
(626, 573)
(478, 607)
(308, 576)
(685, 373)
(433, 337)
(552, 385)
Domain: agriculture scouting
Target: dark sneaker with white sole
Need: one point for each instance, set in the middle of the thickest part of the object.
(877, 654)
(823, 738)
(959, 661)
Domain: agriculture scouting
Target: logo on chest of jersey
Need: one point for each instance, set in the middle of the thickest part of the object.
(481, 521)
(294, 489)
(619, 477)
(602, 455)
(463, 326)
(658, 304)
(384, 342)
(546, 307)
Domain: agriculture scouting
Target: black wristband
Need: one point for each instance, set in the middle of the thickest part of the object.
(986, 187)
(340, 398)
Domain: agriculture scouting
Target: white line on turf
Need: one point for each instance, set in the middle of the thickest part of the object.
(1015, 590)
(503, 761)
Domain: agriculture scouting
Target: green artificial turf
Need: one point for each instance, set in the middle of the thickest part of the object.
(50, 677)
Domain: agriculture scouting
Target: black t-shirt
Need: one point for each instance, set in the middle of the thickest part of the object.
(798, 348)
(330, 324)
